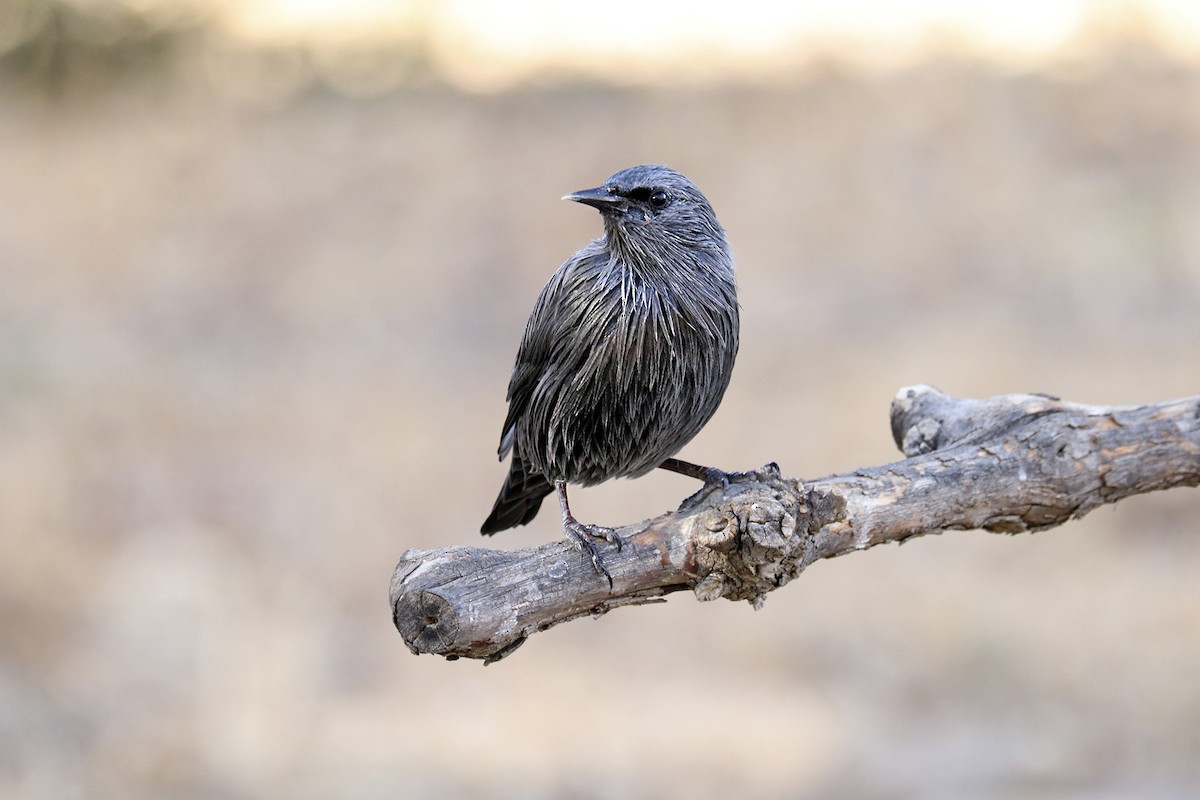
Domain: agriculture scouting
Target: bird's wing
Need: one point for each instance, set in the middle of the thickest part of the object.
(541, 345)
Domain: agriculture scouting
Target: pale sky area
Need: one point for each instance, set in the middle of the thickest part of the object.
(492, 42)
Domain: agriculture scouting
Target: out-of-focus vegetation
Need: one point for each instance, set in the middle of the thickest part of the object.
(255, 328)
(52, 44)
(51, 47)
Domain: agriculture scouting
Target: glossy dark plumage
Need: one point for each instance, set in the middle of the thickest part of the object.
(629, 347)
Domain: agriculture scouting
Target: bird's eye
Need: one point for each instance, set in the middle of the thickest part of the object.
(658, 199)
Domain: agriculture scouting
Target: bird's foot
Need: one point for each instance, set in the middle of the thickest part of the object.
(585, 536)
(714, 477)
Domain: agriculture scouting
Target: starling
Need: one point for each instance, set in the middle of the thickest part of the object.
(626, 354)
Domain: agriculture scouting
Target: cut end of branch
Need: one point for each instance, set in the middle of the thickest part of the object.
(426, 622)
(913, 432)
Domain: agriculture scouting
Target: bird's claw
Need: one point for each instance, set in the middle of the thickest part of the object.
(714, 477)
(585, 536)
(718, 477)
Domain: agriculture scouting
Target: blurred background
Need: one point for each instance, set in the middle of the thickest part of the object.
(264, 265)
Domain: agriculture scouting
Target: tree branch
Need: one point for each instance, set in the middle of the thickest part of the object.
(1006, 464)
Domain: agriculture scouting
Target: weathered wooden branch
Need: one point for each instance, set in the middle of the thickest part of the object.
(1006, 464)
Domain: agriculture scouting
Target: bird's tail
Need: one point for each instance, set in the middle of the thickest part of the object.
(520, 498)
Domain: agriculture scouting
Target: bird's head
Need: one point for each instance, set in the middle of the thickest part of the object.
(655, 211)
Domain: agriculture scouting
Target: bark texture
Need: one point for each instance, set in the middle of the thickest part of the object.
(1005, 464)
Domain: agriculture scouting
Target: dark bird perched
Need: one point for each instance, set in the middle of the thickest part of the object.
(627, 353)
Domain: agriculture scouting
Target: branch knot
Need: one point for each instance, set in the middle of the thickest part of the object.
(752, 543)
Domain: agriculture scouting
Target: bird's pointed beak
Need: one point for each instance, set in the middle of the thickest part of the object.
(599, 198)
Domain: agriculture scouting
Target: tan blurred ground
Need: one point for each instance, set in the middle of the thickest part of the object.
(250, 353)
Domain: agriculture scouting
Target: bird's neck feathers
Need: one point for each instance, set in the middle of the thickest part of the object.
(667, 255)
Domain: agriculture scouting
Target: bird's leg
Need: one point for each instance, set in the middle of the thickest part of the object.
(714, 477)
(710, 475)
(583, 535)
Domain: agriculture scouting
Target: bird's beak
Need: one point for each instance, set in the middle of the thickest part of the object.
(599, 198)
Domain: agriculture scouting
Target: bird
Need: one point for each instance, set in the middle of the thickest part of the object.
(626, 355)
